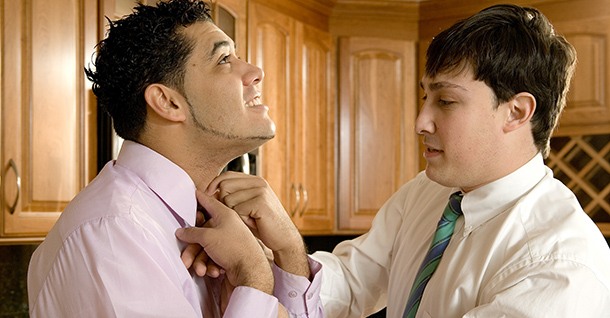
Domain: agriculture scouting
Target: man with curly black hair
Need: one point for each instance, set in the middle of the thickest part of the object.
(186, 106)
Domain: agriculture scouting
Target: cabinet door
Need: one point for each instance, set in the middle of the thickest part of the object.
(47, 114)
(298, 163)
(231, 17)
(314, 130)
(377, 145)
(271, 47)
(588, 104)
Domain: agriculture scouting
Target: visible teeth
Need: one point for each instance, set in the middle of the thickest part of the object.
(254, 102)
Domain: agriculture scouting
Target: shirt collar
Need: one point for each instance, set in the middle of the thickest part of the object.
(484, 203)
(172, 184)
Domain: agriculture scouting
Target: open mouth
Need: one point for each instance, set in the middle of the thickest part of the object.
(254, 102)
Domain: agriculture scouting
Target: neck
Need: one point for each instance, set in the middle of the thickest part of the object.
(202, 155)
(202, 163)
(519, 160)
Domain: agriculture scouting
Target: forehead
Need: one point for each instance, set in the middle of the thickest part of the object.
(448, 80)
(207, 37)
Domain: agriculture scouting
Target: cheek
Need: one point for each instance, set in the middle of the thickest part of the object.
(466, 145)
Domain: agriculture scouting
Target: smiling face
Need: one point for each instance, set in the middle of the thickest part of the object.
(462, 130)
(221, 91)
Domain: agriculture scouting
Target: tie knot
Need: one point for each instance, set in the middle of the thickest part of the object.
(455, 210)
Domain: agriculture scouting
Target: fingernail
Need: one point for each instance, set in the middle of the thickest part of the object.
(179, 232)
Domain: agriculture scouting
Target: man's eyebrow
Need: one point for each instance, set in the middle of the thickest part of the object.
(217, 46)
(435, 86)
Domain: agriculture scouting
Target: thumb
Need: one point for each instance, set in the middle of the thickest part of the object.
(211, 205)
(192, 235)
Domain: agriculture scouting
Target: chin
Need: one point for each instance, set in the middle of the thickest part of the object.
(440, 178)
(256, 141)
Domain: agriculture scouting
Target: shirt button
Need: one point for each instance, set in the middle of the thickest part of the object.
(292, 294)
(309, 296)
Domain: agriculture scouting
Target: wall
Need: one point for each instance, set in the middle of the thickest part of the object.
(14, 261)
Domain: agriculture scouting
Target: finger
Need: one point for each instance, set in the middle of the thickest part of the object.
(213, 186)
(200, 219)
(250, 222)
(200, 263)
(212, 269)
(242, 196)
(190, 254)
(192, 235)
(235, 182)
(244, 183)
(212, 206)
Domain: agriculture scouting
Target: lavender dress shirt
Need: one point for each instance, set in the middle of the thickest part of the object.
(113, 253)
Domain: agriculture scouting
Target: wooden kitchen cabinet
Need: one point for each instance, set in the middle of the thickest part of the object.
(588, 105)
(298, 61)
(378, 149)
(231, 16)
(47, 112)
(314, 129)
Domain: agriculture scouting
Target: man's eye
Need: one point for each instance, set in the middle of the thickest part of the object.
(444, 102)
(224, 60)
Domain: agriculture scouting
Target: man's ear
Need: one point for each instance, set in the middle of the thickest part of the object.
(165, 102)
(521, 109)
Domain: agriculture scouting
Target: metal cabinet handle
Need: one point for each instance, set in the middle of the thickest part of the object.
(12, 165)
(305, 197)
(298, 198)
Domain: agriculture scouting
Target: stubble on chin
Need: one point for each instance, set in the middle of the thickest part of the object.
(229, 136)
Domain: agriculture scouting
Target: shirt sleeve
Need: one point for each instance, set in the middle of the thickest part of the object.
(545, 288)
(250, 302)
(356, 273)
(300, 297)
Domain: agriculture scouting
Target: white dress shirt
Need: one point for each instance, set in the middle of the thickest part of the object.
(523, 248)
(113, 253)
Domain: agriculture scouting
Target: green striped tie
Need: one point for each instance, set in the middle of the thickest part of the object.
(444, 230)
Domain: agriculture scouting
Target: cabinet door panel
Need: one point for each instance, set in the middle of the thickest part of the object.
(377, 113)
(232, 15)
(588, 104)
(53, 128)
(298, 62)
(45, 111)
(272, 48)
(315, 129)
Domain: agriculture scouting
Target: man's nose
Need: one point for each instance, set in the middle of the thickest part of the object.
(424, 122)
(253, 75)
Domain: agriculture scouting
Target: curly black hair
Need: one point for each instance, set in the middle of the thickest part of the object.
(143, 48)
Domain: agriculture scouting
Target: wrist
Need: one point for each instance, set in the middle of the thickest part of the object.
(293, 261)
(256, 275)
